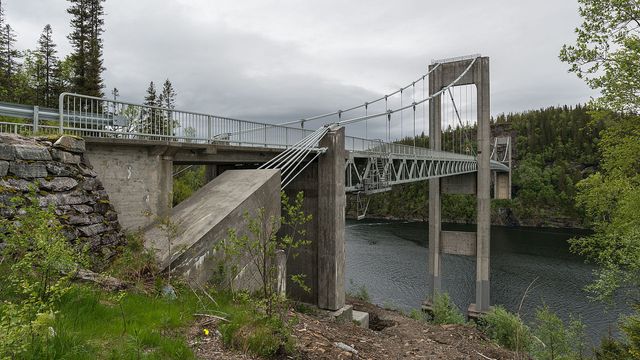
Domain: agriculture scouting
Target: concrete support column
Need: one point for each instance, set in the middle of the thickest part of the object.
(435, 217)
(331, 221)
(210, 172)
(481, 79)
(165, 184)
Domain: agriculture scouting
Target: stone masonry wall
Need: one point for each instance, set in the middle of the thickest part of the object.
(61, 177)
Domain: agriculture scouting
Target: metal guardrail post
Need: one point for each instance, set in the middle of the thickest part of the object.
(61, 111)
(36, 110)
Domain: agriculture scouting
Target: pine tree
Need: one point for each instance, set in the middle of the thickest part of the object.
(149, 115)
(10, 56)
(47, 54)
(86, 23)
(168, 96)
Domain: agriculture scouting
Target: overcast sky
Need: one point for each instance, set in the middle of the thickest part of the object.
(282, 60)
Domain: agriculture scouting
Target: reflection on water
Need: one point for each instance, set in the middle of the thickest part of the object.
(390, 259)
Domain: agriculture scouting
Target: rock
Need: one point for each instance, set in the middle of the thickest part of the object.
(101, 207)
(94, 229)
(59, 184)
(107, 282)
(111, 216)
(92, 184)
(61, 199)
(65, 156)
(87, 171)
(60, 169)
(345, 347)
(29, 171)
(85, 219)
(31, 152)
(4, 168)
(70, 143)
(85, 209)
(7, 152)
(18, 185)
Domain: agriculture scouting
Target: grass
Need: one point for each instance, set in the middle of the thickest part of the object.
(93, 324)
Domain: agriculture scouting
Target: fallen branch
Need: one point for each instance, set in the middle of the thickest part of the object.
(484, 356)
(212, 316)
(104, 281)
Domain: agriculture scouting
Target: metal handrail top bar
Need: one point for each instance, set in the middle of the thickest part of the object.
(173, 110)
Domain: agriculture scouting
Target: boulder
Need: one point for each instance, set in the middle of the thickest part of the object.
(65, 156)
(59, 184)
(7, 152)
(4, 168)
(29, 171)
(31, 152)
(70, 143)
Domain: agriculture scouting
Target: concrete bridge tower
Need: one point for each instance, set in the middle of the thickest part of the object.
(461, 243)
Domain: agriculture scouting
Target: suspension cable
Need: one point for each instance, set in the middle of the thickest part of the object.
(438, 93)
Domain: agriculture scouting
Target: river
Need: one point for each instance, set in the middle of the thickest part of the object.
(390, 259)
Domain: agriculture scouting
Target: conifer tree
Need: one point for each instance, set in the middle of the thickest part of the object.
(168, 96)
(47, 54)
(86, 23)
(9, 56)
(149, 116)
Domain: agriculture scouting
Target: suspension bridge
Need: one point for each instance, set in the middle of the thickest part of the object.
(435, 128)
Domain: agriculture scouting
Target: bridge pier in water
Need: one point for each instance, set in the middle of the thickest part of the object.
(471, 244)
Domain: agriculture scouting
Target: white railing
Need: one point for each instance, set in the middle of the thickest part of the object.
(91, 116)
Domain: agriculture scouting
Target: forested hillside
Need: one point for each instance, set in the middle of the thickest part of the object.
(554, 148)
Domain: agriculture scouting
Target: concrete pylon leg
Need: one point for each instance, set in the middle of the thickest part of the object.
(210, 172)
(165, 184)
(435, 218)
(483, 231)
(331, 222)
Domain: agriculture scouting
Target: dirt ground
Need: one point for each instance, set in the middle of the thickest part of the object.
(391, 336)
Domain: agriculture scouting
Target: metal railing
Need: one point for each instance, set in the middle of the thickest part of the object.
(91, 116)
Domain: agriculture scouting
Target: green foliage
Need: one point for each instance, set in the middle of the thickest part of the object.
(188, 182)
(445, 311)
(606, 52)
(507, 329)
(358, 292)
(612, 349)
(611, 199)
(39, 262)
(551, 336)
(631, 327)
(135, 263)
(260, 248)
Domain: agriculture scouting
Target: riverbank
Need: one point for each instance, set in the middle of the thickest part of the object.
(391, 335)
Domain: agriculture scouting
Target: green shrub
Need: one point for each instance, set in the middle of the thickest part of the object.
(612, 349)
(630, 326)
(551, 336)
(358, 292)
(135, 264)
(506, 329)
(38, 262)
(445, 311)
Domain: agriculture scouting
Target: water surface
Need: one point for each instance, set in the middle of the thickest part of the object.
(390, 259)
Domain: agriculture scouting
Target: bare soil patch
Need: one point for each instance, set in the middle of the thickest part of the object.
(391, 336)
